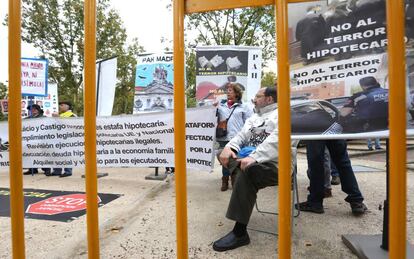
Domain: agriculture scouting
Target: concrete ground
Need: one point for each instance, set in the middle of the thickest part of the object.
(141, 223)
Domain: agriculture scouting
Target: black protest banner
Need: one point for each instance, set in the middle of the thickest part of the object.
(61, 206)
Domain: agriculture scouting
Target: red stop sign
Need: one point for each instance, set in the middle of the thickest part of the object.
(59, 204)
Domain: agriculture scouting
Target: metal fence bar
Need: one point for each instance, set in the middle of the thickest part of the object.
(397, 126)
(179, 131)
(91, 180)
(15, 132)
(198, 6)
(283, 96)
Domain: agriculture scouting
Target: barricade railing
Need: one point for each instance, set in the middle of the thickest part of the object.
(397, 124)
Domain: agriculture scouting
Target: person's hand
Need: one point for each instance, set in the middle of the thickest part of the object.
(345, 111)
(225, 155)
(55, 114)
(215, 103)
(245, 162)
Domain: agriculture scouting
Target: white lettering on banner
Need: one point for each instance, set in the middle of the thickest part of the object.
(144, 140)
(370, 37)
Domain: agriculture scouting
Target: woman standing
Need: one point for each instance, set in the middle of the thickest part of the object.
(236, 113)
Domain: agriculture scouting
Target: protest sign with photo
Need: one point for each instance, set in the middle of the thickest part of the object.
(145, 140)
(154, 83)
(48, 103)
(218, 65)
(339, 68)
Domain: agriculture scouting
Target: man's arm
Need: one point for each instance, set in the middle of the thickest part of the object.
(267, 151)
(235, 144)
(348, 107)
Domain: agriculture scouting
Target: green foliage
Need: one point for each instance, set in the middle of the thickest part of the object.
(190, 73)
(56, 28)
(268, 79)
(3, 90)
(125, 91)
(247, 26)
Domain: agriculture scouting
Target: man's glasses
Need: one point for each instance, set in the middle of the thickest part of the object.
(257, 96)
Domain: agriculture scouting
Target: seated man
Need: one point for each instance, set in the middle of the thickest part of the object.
(257, 170)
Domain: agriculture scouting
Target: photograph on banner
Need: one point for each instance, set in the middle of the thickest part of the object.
(34, 76)
(339, 67)
(49, 103)
(24, 104)
(145, 140)
(154, 83)
(4, 106)
(216, 66)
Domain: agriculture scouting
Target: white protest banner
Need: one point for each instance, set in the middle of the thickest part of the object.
(34, 76)
(145, 140)
(105, 85)
(339, 78)
(218, 65)
(339, 69)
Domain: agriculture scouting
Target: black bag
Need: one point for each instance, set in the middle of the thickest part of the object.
(221, 130)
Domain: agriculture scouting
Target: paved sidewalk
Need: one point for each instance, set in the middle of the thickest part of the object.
(141, 223)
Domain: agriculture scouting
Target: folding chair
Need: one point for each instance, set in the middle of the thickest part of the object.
(295, 191)
(295, 197)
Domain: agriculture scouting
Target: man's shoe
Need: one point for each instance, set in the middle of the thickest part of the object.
(370, 149)
(335, 180)
(53, 174)
(29, 172)
(65, 175)
(378, 148)
(230, 241)
(309, 207)
(358, 208)
(327, 193)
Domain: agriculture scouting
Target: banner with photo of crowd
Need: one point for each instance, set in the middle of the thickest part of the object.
(154, 81)
(216, 66)
(339, 68)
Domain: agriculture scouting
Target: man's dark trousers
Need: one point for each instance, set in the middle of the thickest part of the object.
(255, 177)
(337, 148)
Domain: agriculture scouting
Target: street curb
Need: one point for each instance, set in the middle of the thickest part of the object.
(362, 153)
(359, 152)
